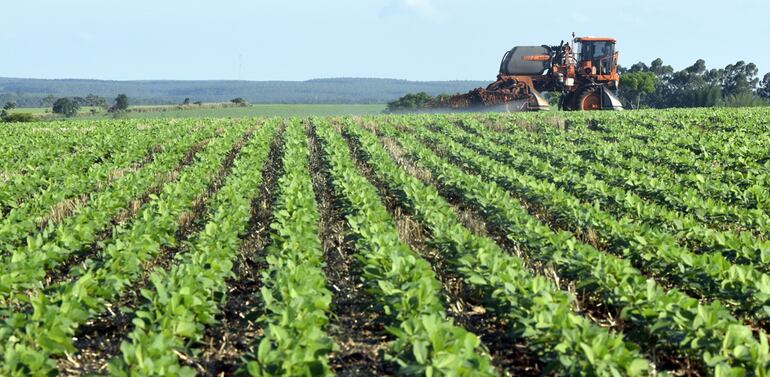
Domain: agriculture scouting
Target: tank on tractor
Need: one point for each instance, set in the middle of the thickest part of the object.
(584, 72)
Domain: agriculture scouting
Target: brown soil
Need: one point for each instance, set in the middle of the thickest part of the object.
(508, 355)
(98, 340)
(223, 345)
(355, 325)
(64, 270)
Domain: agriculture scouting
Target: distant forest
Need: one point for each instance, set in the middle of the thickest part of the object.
(42, 93)
(656, 85)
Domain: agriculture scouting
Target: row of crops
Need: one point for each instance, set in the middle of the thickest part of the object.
(631, 243)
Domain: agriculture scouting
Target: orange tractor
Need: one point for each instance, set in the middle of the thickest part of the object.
(584, 72)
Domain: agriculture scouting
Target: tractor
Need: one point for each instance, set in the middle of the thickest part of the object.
(584, 72)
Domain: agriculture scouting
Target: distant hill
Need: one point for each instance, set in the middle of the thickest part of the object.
(30, 92)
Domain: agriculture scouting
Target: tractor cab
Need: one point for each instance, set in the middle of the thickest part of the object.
(596, 56)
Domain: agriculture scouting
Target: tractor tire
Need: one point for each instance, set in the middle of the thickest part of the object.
(589, 99)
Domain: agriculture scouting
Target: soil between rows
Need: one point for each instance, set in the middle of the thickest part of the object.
(586, 303)
(67, 207)
(64, 270)
(355, 324)
(223, 345)
(98, 340)
(508, 355)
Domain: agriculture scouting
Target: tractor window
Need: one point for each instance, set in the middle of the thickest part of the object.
(603, 49)
(596, 52)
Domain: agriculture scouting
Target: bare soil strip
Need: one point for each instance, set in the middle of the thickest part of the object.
(98, 340)
(67, 207)
(355, 325)
(223, 345)
(64, 270)
(508, 355)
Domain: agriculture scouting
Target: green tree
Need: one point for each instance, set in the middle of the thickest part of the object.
(96, 101)
(638, 83)
(657, 67)
(186, 101)
(66, 106)
(239, 101)
(706, 96)
(694, 86)
(639, 67)
(10, 105)
(764, 88)
(739, 79)
(662, 94)
(121, 104)
(410, 102)
(81, 101)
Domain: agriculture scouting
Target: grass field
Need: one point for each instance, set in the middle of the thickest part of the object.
(265, 110)
(627, 243)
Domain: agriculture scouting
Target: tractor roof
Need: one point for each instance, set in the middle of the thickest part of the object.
(598, 39)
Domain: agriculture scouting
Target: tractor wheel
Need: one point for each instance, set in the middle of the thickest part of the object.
(589, 99)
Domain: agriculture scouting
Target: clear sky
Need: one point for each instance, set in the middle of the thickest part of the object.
(409, 39)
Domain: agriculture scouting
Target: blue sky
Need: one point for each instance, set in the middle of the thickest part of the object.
(409, 39)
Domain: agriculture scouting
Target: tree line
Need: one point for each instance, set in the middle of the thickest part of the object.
(70, 106)
(67, 106)
(657, 85)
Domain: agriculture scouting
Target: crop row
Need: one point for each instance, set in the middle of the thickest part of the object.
(28, 148)
(631, 175)
(701, 156)
(693, 144)
(32, 338)
(531, 306)
(711, 176)
(27, 265)
(62, 175)
(32, 147)
(693, 134)
(664, 318)
(296, 302)
(709, 274)
(403, 283)
(606, 244)
(741, 247)
(698, 165)
(186, 298)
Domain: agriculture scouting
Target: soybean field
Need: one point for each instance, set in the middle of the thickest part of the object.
(591, 244)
